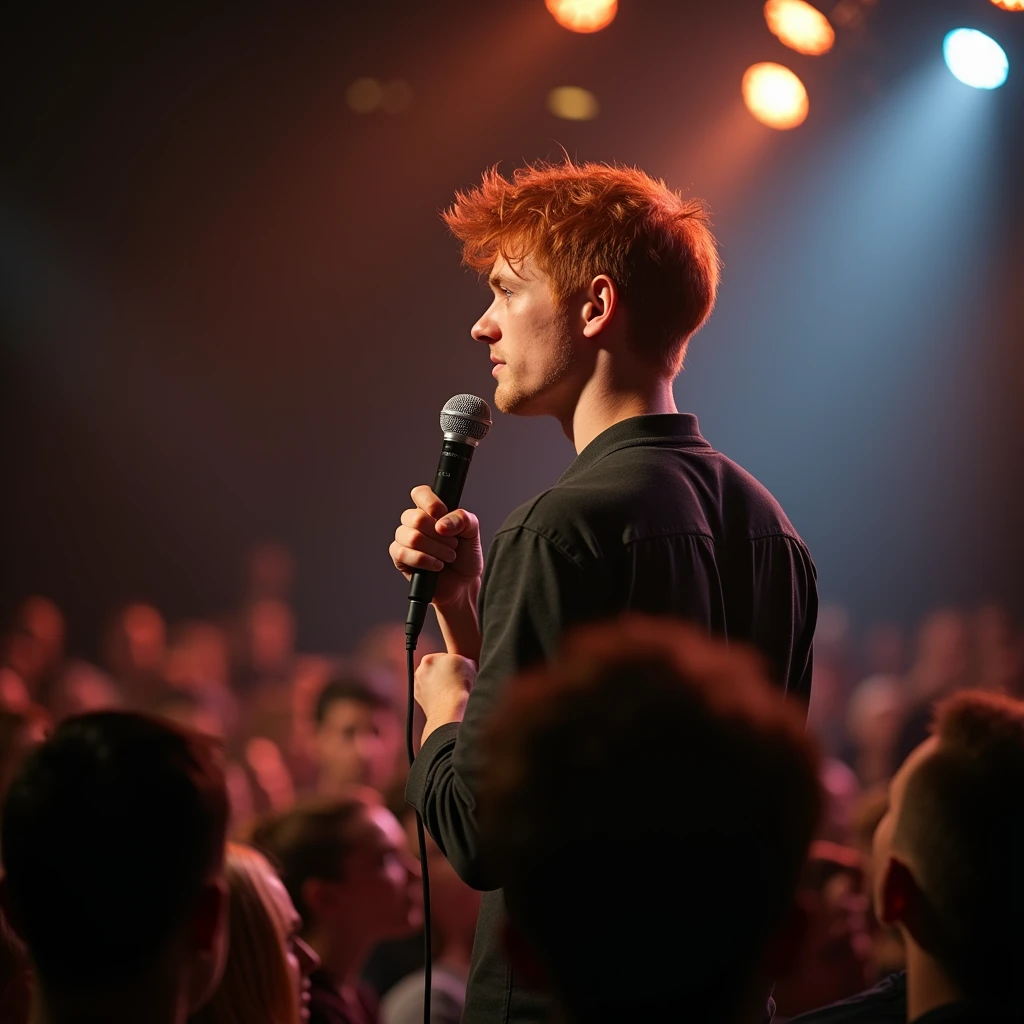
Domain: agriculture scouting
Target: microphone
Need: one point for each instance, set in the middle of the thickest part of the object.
(465, 420)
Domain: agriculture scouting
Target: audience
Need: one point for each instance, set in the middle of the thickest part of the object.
(143, 916)
(947, 871)
(113, 846)
(266, 976)
(627, 785)
(348, 870)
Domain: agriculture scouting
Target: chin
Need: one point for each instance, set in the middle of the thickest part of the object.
(516, 403)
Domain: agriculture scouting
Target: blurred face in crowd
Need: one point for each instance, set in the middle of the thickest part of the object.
(271, 636)
(882, 850)
(378, 897)
(356, 745)
(36, 644)
(301, 959)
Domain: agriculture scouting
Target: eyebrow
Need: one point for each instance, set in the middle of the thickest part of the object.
(496, 281)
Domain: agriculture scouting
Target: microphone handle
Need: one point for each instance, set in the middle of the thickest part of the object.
(448, 483)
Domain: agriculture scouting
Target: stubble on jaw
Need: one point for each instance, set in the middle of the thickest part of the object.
(513, 398)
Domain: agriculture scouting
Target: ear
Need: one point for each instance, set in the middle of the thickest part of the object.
(522, 958)
(897, 891)
(209, 921)
(786, 946)
(602, 300)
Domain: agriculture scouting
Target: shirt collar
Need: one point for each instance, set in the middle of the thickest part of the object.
(667, 430)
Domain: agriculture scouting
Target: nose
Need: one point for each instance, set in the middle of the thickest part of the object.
(486, 329)
(307, 957)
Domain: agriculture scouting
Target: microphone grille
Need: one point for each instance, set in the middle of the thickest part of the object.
(466, 415)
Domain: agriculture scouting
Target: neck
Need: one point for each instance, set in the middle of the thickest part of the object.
(342, 956)
(609, 397)
(928, 986)
(153, 1003)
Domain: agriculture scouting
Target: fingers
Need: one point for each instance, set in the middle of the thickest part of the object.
(424, 498)
(439, 548)
(406, 559)
(459, 523)
(418, 521)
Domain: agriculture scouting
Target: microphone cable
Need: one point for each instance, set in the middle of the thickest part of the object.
(410, 651)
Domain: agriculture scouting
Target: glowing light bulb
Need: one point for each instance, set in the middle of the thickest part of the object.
(1010, 5)
(975, 59)
(572, 103)
(800, 26)
(775, 96)
(583, 15)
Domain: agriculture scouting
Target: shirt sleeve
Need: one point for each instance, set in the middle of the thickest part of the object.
(533, 591)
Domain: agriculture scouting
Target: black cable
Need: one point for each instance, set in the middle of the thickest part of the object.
(410, 649)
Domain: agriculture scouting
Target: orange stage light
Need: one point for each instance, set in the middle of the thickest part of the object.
(1010, 5)
(800, 26)
(583, 15)
(775, 96)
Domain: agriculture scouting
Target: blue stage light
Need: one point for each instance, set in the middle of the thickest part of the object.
(975, 58)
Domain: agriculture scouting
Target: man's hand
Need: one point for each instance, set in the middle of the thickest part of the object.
(442, 688)
(435, 539)
(447, 543)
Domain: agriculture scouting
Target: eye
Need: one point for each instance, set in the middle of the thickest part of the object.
(508, 292)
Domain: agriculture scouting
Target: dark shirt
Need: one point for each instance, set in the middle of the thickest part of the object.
(328, 1005)
(649, 518)
(886, 1003)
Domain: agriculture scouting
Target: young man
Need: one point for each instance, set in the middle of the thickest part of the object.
(358, 737)
(626, 902)
(113, 853)
(948, 855)
(599, 276)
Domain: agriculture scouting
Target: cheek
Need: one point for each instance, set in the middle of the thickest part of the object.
(294, 970)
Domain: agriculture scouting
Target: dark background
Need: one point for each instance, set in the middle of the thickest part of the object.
(230, 311)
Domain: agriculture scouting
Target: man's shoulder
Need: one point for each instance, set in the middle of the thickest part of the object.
(653, 491)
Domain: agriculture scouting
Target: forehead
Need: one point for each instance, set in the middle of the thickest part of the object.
(348, 709)
(383, 829)
(283, 908)
(525, 269)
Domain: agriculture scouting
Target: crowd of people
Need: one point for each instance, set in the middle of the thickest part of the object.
(208, 825)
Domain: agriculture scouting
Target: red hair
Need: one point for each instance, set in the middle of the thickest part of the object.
(582, 220)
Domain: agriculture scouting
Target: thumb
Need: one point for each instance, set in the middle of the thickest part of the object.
(459, 523)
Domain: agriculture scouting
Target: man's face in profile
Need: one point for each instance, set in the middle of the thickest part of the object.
(529, 337)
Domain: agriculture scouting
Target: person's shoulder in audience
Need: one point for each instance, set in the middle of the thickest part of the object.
(404, 1003)
(330, 1004)
(885, 1003)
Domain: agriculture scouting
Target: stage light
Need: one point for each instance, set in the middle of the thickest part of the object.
(1010, 5)
(775, 96)
(396, 96)
(800, 26)
(975, 58)
(572, 103)
(364, 95)
(583, 15)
